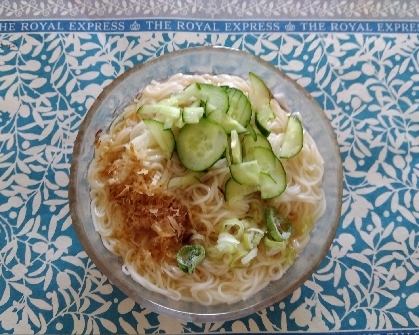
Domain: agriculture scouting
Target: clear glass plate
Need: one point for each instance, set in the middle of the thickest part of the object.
(212, 60)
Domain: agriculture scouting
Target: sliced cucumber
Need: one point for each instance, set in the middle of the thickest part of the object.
(251, 131)
(268, 186)
(265, 158)
(197, 103)
(164, 137)
(170, 101)
(249, 144)
(236, 148)
(263, 116)
(226, 121)
(246, 173)
(234, 191)
(293, 140)
(215, 97)
(205, 115)
(272, 177)
(168, 123)
(193, 90)
(260, 98)
(165, 110)
(260, 94)
(200, 145)
(239, 106)
(207, 94)
(192, 114)
(271, 190)
(228, 155)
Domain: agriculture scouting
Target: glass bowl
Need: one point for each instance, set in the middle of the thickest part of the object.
(213, 60)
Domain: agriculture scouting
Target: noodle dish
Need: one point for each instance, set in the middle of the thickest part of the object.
(203, 188)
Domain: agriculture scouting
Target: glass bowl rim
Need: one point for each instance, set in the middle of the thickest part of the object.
(92, 253)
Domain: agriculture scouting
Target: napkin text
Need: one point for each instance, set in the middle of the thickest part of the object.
(209, 26)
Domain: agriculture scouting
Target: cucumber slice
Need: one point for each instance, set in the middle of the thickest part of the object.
(164, 137)
(268, 186)
(193, 90)
(233, 191)
(192, 114)
(226, 121)
(279, 175)
(246, 173)
(249, 144)
(200, 145)
(293, 140)
(170, 101)
(251, 131)
(260, 98)
(265, 158)
(272, 178)
(165, 110)
(215, 97)
(262, 117)
(179, 123)
(197, 103)
(239, 106)
(260, 94)
(228, 156)
(236, 148)
(168, 123)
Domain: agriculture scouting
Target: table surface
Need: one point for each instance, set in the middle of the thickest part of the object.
(358, 59)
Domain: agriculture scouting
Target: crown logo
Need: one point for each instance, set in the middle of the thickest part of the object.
(135, 26)
(290, 27)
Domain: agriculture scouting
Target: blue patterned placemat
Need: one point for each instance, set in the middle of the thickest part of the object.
(367, 84)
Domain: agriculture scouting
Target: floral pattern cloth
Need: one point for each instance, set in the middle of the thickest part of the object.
(367, 85)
